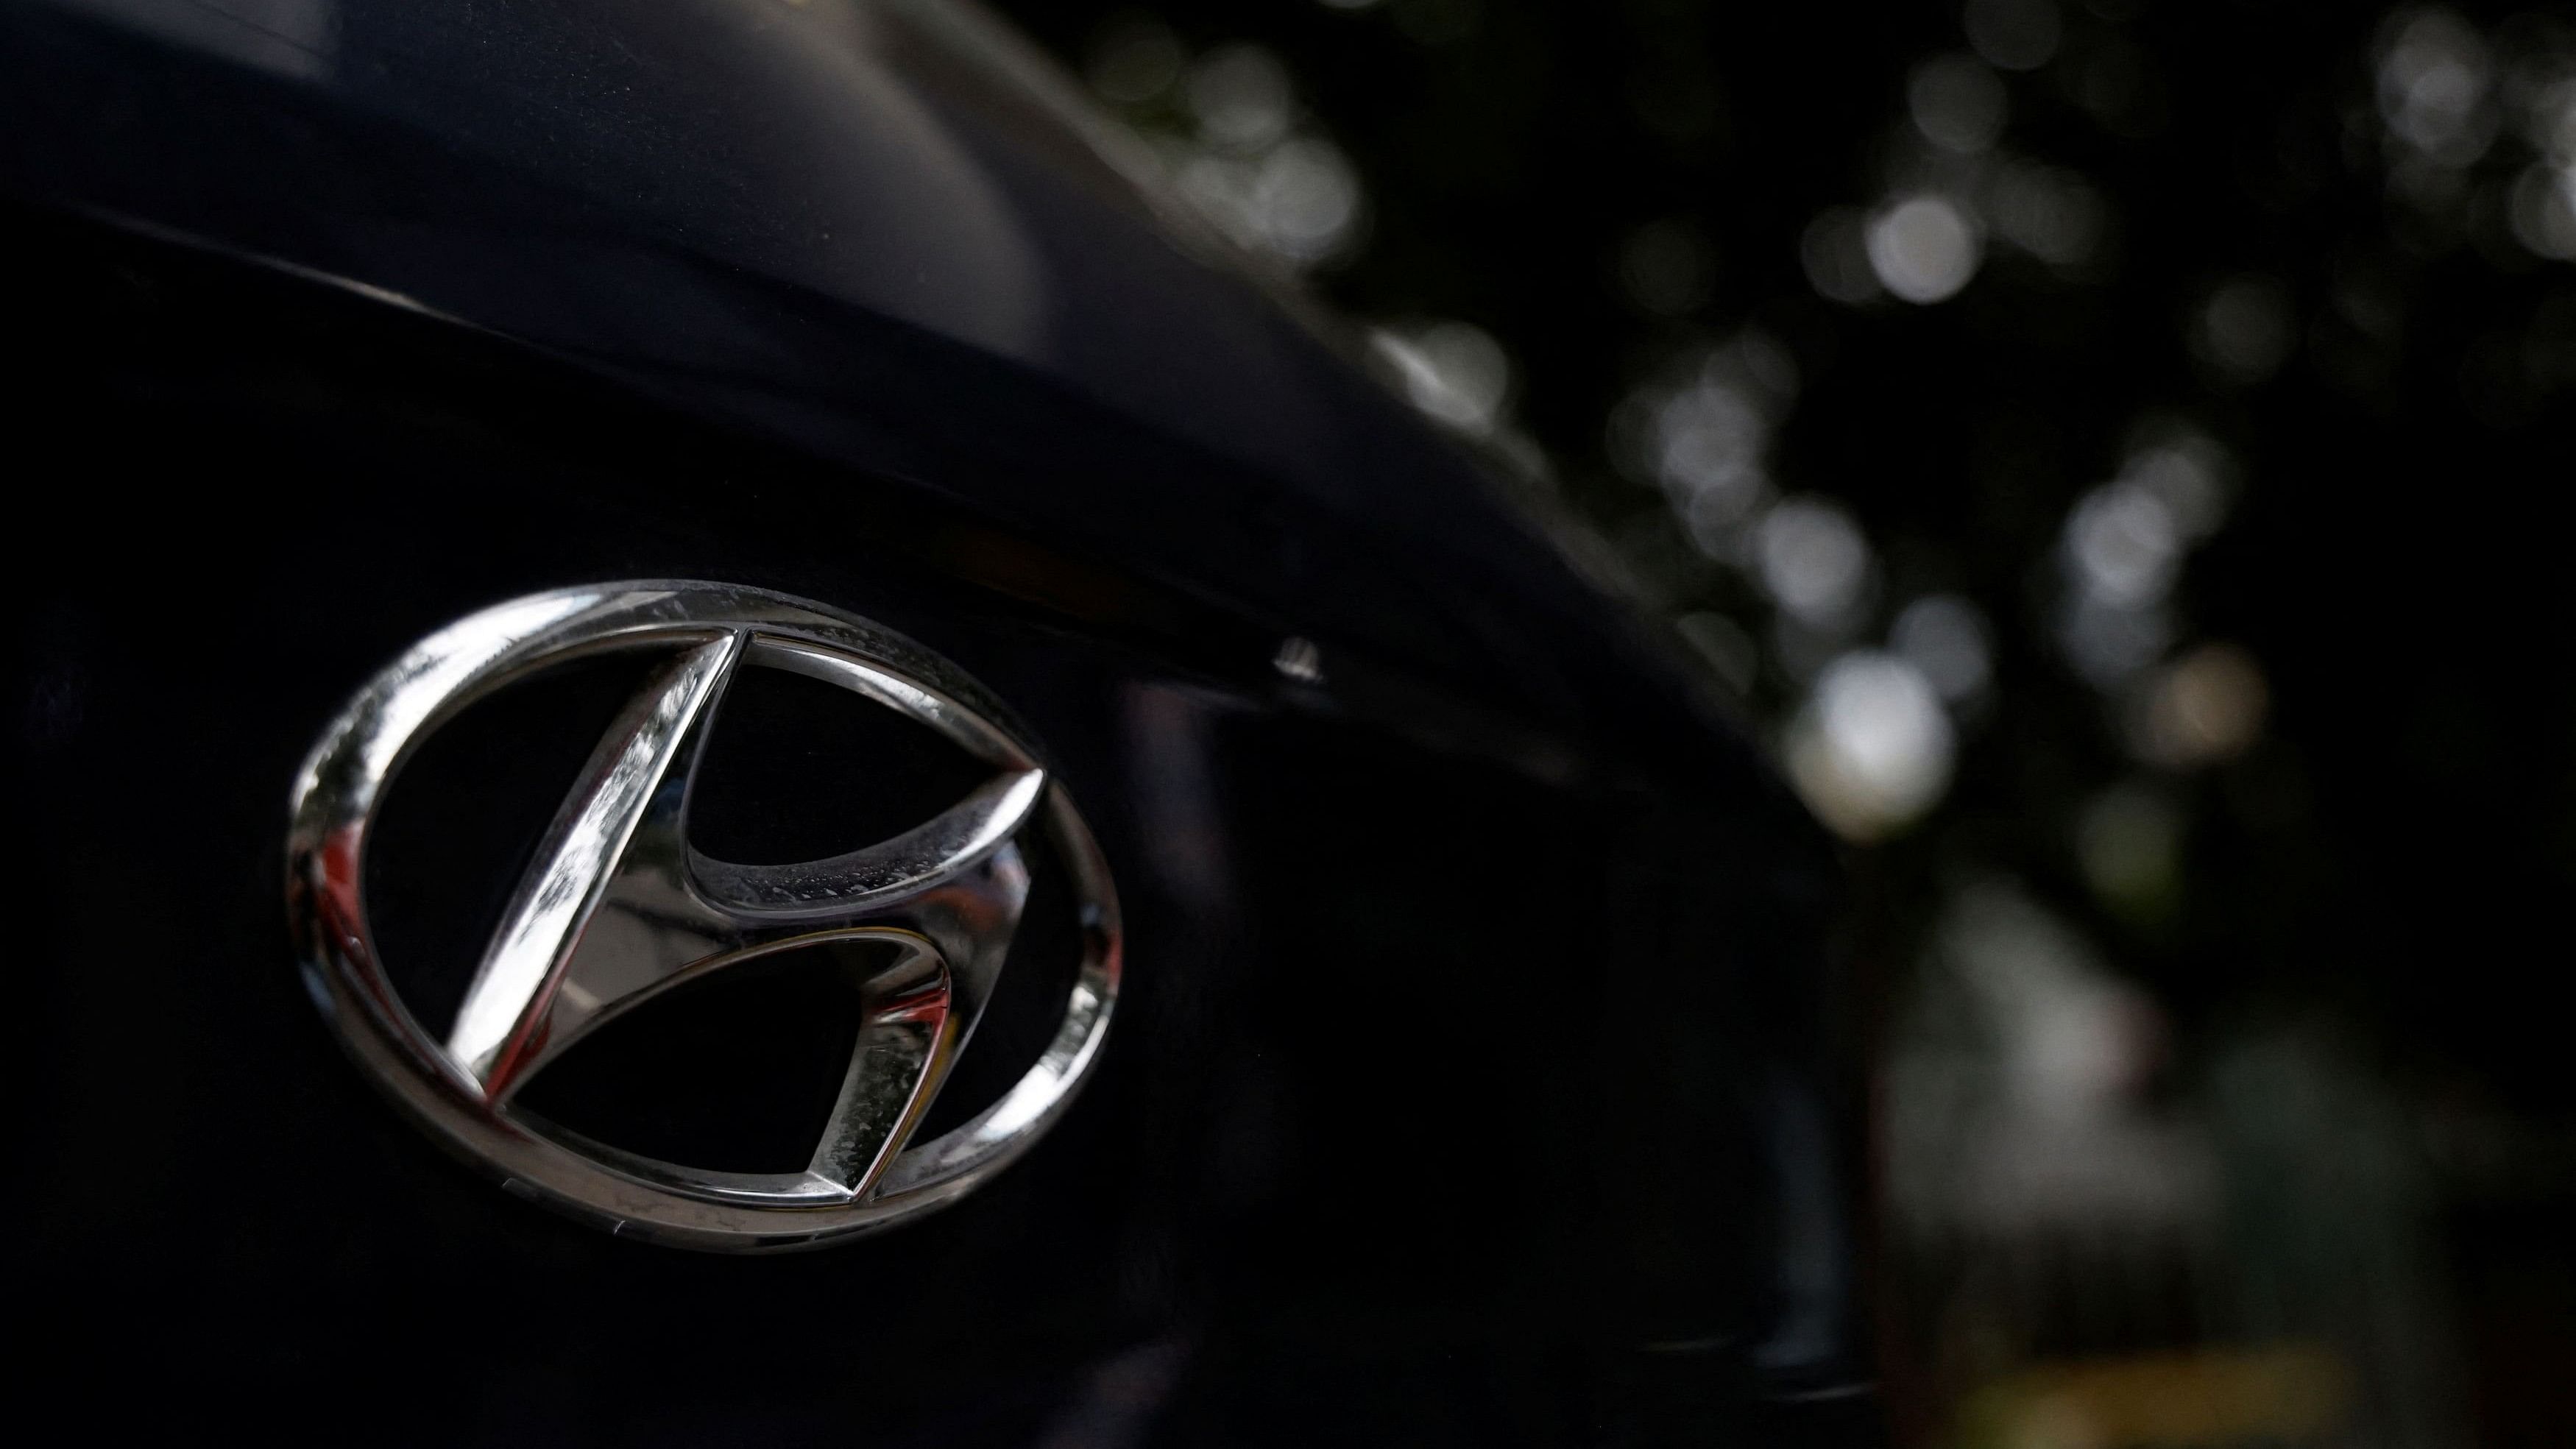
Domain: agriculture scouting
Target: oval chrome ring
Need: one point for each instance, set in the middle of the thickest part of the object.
(343, 781)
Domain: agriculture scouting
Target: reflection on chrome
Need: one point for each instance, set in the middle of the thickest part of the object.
(619, 908)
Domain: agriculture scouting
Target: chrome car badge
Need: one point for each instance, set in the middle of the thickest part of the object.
(618, 907)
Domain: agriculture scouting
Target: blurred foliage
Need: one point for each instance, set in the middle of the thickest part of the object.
(2212, 369)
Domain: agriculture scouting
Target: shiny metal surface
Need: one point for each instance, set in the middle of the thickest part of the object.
(619, 908)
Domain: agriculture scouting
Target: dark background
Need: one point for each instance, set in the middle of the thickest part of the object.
(2313, 241)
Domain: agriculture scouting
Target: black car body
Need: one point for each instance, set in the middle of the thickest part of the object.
(1477, 1078)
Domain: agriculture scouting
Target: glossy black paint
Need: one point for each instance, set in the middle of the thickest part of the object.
(1474, 1085)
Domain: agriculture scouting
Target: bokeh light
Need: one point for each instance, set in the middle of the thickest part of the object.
(1813, 561)
(2082, 438)
(2433, 80)
(1135, 61)
(2014, 34)
(2204, 707)
(1957, 103)
(2048, 211)
(1924, 248)
(1237, 145)
(1947, 639)
(1835, 253)
(2129, 842)
(2244, 331)
(1872, 751)
(1240, 95)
